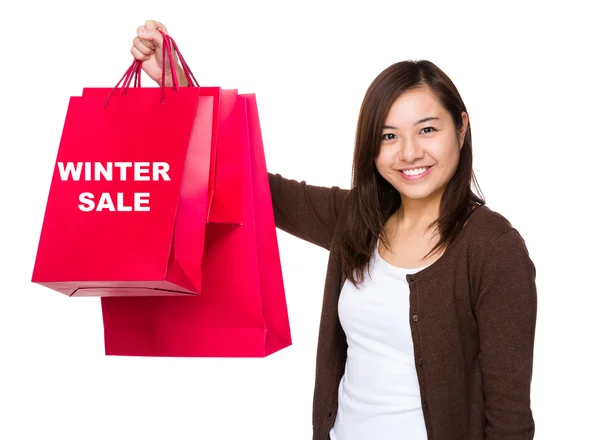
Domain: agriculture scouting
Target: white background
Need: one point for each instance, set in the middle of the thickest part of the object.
(528, 73)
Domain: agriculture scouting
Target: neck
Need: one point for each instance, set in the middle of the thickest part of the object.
(417, 213)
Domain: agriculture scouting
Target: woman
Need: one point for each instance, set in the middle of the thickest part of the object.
(429, 310)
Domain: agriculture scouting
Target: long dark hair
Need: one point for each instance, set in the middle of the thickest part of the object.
(372, 200)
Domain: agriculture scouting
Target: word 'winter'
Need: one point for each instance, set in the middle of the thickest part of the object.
(140, 171)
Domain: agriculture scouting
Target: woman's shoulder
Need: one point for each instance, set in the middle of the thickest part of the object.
(486, 227)
(486, 221)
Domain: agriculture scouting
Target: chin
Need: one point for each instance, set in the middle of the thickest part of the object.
(415, 196)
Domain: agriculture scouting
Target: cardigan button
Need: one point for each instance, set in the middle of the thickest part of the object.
(412, 277)
(420, 361)
(425, 405)
(415, 318)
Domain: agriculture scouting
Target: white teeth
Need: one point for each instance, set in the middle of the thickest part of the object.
(415, 172)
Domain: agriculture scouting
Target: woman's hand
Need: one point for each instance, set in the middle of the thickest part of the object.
(148, 48)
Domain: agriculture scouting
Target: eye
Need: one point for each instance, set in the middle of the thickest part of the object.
(387, 138)
(429, 131)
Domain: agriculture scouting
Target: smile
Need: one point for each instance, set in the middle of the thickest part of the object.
(415, 174)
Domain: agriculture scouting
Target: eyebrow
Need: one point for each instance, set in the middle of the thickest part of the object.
(420, 121)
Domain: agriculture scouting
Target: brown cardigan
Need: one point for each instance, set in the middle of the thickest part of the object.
(472, 318)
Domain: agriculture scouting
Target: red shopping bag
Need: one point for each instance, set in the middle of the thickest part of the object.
(242, 310)
(130, 195)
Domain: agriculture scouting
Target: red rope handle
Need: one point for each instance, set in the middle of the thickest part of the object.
(135, 69)
(186, 69)
(126, 75)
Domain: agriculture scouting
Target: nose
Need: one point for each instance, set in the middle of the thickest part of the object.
(410, 151)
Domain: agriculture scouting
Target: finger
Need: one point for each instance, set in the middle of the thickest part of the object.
(153, 36)
(138, 55)
(140, 45)
(153, 24)
(147, 43)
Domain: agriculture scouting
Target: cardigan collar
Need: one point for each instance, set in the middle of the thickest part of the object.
(446, 259)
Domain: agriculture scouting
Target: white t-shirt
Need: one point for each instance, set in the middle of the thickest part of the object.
(379, 396)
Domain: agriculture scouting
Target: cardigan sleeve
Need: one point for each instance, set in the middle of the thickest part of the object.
(306, 211)
(506, 310)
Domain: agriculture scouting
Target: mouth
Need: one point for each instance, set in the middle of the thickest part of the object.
(415, 173)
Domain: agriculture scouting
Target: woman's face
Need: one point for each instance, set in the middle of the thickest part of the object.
(409, 143)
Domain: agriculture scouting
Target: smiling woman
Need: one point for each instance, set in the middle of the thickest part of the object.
(427, 344)
(435, 254)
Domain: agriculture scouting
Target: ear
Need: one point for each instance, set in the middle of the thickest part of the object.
(463, 128)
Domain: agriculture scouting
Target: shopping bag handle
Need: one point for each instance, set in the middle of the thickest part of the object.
(134, 71)
(191, 79)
